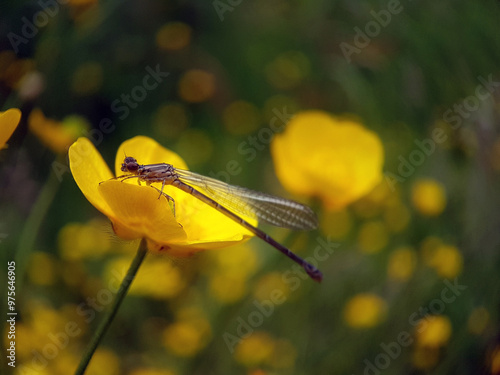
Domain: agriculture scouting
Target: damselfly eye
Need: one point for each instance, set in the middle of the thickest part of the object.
(130, 165)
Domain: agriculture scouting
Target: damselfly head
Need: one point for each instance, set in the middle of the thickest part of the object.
(130, 165)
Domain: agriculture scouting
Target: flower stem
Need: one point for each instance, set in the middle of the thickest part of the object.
(34, 222)
(104, 325)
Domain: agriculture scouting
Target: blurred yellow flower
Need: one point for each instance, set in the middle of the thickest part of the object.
(149, 371)
(146, 282)
(42, 331)
(83, 241)
(243, 261)
(428, 197)
(173, 36)
(479, 320)
(42, 268)
(335, 159)
(446, 260)
(365, 310)
(104, 362)
(228, 288)
(136, 212)
(8, 123)
(56, 135)
(197, 86)
(373, 236)
(425, 358)
(401, 264)
(271, 287)
(255, 349)
(188, 335)
(433, 332)
(495, 361)
(66, 363)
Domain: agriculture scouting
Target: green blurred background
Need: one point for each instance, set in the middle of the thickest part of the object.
(231, 66)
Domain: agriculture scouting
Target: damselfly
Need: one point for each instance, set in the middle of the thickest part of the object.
(231, 201)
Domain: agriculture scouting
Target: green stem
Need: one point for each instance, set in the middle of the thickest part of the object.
(33, 223)
(106, 322)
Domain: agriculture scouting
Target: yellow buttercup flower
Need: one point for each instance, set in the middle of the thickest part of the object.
(56, 135)
(189, 334)
(145, 283)
(136, 212)
(433, 332)
(255, 350)
(428, 197)
(446, 260)
(337, 160)
(8, 123)
(402, 263)
(365, 310)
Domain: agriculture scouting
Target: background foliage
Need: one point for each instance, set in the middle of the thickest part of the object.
(231, 66)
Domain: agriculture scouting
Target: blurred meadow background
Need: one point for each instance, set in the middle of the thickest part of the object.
(411, 265)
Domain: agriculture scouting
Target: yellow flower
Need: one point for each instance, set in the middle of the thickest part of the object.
(428, 197)
(401, 264)
(42, 268)
(197, 86)
(495, 360)
(56, 135)
(145, 283)
(256, 349)
(227, 287)
(433, 332)
(173, 36)
(8, 123)
(365, 310)
(104, 362)
(335, 159)
(151, 371)
(478, 321)
(136, 212)
(189, 334)
(446, 260)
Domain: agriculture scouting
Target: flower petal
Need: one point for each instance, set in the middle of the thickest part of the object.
(336, 159)
(8, 123)
(89, 169)
(191, 213)
(146, 151)
(141, 213)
